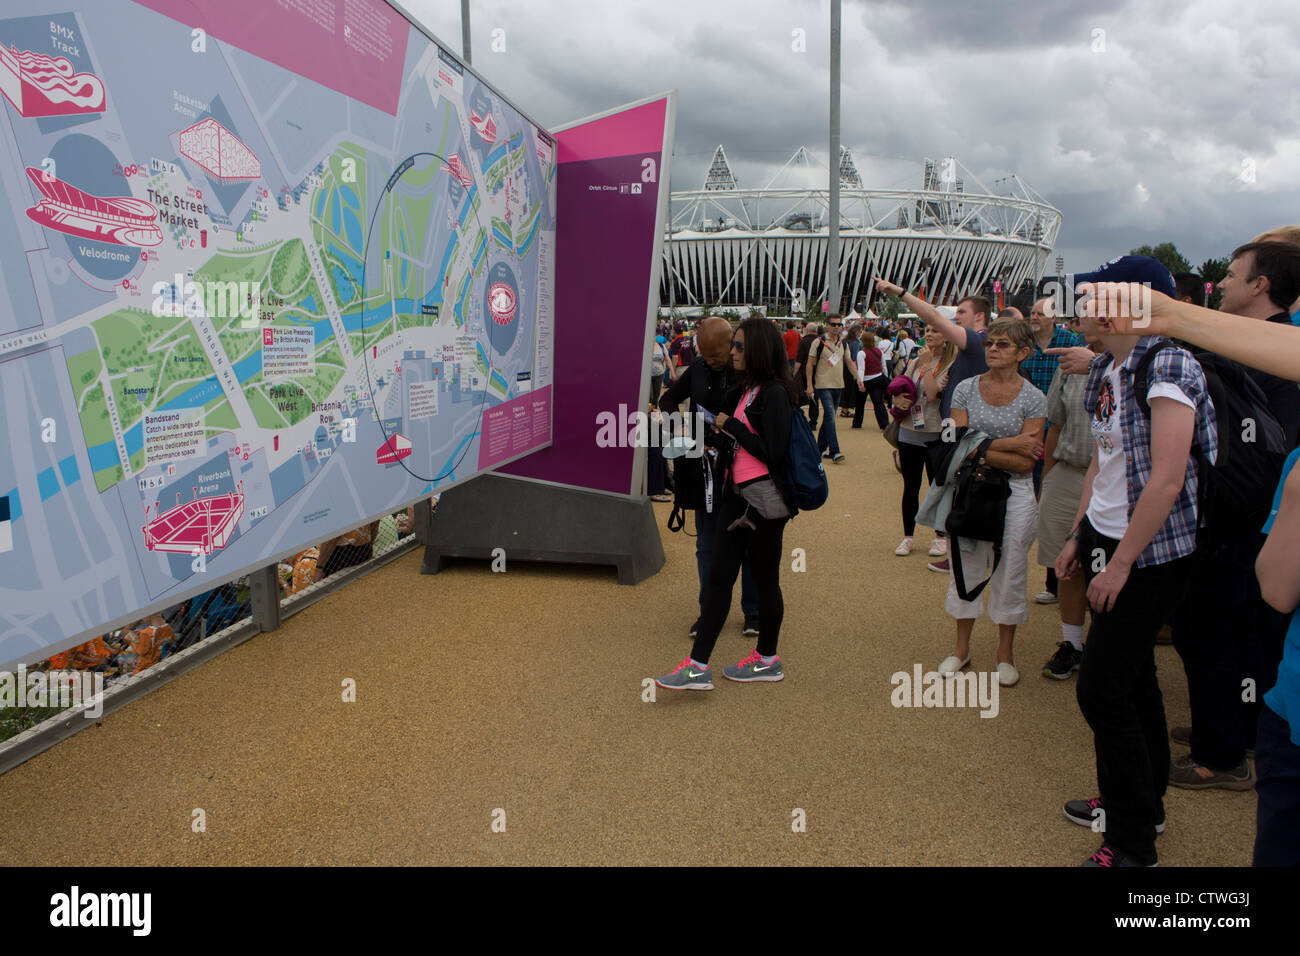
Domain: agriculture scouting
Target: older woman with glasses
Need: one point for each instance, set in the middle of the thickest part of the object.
(1007, 407)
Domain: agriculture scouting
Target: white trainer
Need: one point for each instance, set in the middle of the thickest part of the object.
(952, 664)
(904, 549)
(1007, 674)
(939, 548)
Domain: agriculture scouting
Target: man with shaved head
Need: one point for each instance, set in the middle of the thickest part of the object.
(698, 482)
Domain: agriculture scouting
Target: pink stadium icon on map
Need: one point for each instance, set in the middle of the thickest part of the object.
(219, 151)
(460, 171)
(394, 450)
(41, 85)
(204, 523)
(485, 126)
(501, 303)
(124, 220)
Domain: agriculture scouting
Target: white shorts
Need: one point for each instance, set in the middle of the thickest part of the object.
(1006, 592)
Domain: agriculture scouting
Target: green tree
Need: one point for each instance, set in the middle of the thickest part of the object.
(889, 307)
(1213, 271)
(1167, 253)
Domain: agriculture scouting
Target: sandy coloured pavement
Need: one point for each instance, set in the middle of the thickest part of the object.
(522, 692)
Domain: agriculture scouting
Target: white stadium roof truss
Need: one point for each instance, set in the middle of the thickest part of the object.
(760, 245)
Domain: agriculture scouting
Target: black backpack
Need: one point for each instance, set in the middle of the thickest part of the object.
(978, 512)
(1239, 486)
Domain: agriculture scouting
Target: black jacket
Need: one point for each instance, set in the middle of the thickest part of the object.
(770, 415)
(702, 385)
(1282, 394)
(705, 388)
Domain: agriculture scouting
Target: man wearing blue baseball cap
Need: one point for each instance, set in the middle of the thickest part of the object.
(1133, 539)
(1150, 273)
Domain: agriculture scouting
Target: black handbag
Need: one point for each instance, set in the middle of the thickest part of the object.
(978, 512)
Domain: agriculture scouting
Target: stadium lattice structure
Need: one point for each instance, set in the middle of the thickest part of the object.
(732, 245)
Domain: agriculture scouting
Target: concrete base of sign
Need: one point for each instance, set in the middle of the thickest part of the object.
(529, 521)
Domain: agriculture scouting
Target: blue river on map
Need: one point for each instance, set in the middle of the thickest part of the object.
(104, 455)
(352, 228)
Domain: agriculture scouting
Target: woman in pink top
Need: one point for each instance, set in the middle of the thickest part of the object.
(755, 507)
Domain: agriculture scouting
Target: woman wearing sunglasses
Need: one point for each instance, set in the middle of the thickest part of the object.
(756, 504)
(1005, 406)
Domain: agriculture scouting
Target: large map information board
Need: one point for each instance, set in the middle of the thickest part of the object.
(262, 277)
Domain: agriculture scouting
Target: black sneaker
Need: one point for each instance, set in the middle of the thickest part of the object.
(1109, 856)
(1064, 662)
(695, 628)
(751, 627)
(1083, 812)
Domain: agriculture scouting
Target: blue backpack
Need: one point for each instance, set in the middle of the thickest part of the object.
(804, 471)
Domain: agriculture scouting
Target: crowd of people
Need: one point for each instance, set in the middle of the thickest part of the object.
(1148, 451)
(1145, 443)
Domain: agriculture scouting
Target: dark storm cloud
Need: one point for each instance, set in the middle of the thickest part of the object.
(980, 24)
(1155, 135)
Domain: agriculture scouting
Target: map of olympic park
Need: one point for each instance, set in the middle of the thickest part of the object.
(244, 308)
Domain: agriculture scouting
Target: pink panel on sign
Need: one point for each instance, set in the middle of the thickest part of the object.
(638, 130)
(356, 47)
(514, 427)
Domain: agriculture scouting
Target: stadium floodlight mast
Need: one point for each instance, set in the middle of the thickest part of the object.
(833, 238)
(464, 31)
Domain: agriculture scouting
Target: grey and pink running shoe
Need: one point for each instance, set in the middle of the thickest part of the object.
(752, 668)
(687, 676)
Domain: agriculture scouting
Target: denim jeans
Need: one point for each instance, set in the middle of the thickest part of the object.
(706, 533)
(829, 400)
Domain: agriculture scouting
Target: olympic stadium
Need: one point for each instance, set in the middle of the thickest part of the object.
(728, 245)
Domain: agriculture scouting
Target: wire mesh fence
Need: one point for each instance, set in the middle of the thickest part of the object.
(128, 652)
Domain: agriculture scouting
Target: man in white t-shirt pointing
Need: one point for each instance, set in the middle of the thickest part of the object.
(1134, 537)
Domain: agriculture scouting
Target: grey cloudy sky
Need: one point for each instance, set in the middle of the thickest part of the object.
(1181, 121)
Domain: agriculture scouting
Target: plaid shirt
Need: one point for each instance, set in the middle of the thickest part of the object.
(1177, 536)
(1040, 367)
